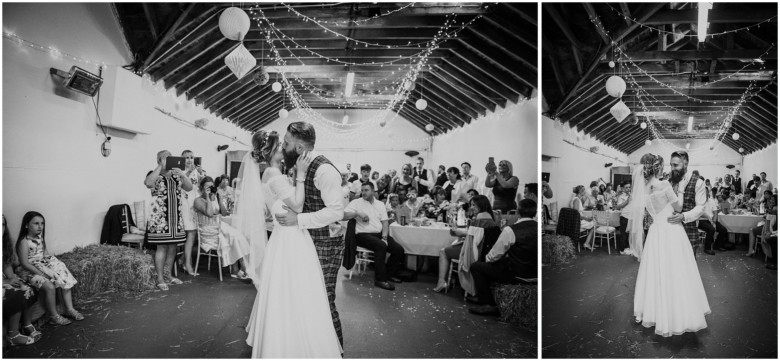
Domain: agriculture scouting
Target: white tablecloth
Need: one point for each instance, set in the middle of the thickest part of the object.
(739, 223)
(423, 241)
(614, 217)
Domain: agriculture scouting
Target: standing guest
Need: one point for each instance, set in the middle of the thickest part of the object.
(621, 204)
(18, 297)
(752, 185)
(423, 177)
(455, 188)
(441, 176)
(513, 256)
(365, 172)
(406, 181)
(164, 227)
(470, 181)
(352, 175)
(504, 186)
(393, 178)
(708, 185)
(383, 188)
(345, 187)
(718, 183)
(194, 174)
(44, 271)
(372, 233)
(726, 185)
(771, 208)
(737, 182)
(764, 186)
(479, 205)
(586, 222)
(546, 193)
(375, 176)
(226, 193)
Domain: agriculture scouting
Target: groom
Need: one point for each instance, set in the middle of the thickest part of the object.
(691, 190)
(322, 205)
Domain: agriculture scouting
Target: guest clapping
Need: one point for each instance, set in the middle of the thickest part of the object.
(504, 186)
(372, 233)
(164, 227)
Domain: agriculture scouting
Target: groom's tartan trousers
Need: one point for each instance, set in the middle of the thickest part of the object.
(330, 250)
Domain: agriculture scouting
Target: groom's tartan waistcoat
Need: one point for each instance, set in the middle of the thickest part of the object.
(313, 200)
(689, 202)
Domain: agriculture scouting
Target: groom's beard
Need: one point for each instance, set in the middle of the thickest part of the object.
(290, 158)
(677, 175)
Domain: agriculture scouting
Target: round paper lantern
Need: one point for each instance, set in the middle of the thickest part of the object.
(261, 77)
(234, 23)
(741, 150)
(643, 125)
(283, 113)
(276, 86)
(735, 136)
(421, 104)
(648, 142)
(429, 127)
(727, 124)
(611, 64)
(408, 85)
(616, 86)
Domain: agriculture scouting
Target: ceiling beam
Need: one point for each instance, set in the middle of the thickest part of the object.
(526, 13)
(716, 16)
(511, 27)
(150, 20)
(563, 25)
(453, 95)
(594, 18)
(476, 89)
(525, 75)
(168, 34)
(193, 37)
(476, 102)
(626, 13)
(473, 74)
(208, 66)
(744, 55)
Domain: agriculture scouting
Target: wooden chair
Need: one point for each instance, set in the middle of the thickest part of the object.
(548, 225)
(217, 252)
(362, 258)
(603, 229)
(453, 269)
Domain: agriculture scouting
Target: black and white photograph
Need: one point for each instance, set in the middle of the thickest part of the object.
(659, 152)
(282, 180)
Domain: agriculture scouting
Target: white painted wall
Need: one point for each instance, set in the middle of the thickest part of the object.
(571, 166)
(381, 147)
(764, 160)
(51, 144)
(709, 163)
(508, 134)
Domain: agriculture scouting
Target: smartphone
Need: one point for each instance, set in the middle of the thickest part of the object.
(174, 162)
(197, 161)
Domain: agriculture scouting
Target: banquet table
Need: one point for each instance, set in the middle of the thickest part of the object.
(739, 223)
(422, 241)
(614, 217)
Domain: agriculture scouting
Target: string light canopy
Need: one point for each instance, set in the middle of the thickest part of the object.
(727, 83)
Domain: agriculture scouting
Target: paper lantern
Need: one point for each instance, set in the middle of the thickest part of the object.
(735, 136)
(429, 127)
(408, 84)
(234, 23)
(741, 150)
(616, 86)
(611, 64)
(240, 61)
(261, 77)
(283, 113)
(643, 125)
(620, 111)
(727, 124)
(276, 86)
(421, 104)
(648, 142)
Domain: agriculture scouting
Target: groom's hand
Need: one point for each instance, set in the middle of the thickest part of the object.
(676, 218)
(287, 219)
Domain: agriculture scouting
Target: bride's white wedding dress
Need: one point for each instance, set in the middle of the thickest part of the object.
(291, 315)
(669, 293)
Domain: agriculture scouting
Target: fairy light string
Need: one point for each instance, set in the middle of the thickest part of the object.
(53, 51)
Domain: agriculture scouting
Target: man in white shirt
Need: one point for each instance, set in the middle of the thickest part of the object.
(470, 181)
(513, 256)
(365, 173)
(765, 185)
(372, 230)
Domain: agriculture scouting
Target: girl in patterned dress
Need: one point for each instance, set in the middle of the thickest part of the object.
(44, 271)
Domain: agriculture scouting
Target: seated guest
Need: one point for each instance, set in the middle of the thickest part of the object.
(372, 233)
(726, 185)
(504, 186)
(531, 191)
(707, 185)
(455, 188)
(406, 181)
(393, 178)
(396, 210)
(723, 201)
(708, 222)
(479, 205)
(357, 185)
(375, 176)
(609, 194)
(345, 187)
(225, 193)
(513, 256)
(352, 175)
(586, 222)
(771, 207)
(18, 296)
(436, 207)
(215, 234)
(441, 176)
(413, 202)
(382, 188)
(471, 193)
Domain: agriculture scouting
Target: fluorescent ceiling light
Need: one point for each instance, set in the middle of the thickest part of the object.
(703, 14)
(350, 83)
(690, 124)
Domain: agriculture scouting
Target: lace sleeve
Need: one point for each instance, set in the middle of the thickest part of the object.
(280, 187)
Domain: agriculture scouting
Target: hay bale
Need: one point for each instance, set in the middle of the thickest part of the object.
(557, 250)
(99, 268)
(517, 304)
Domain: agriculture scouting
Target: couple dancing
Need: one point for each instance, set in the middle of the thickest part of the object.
(669, 293)
(295, 270)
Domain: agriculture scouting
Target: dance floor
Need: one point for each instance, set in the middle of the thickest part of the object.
(587, 309)
(205, 318)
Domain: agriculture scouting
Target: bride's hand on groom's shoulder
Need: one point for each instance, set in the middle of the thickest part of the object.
(303, 162)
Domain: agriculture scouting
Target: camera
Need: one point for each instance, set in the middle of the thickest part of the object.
(213, 189)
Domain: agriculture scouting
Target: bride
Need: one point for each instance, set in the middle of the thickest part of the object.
(291, 315)
(669, 293)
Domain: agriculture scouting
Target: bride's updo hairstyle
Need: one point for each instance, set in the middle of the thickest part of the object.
(263, 145)
(653, 165)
